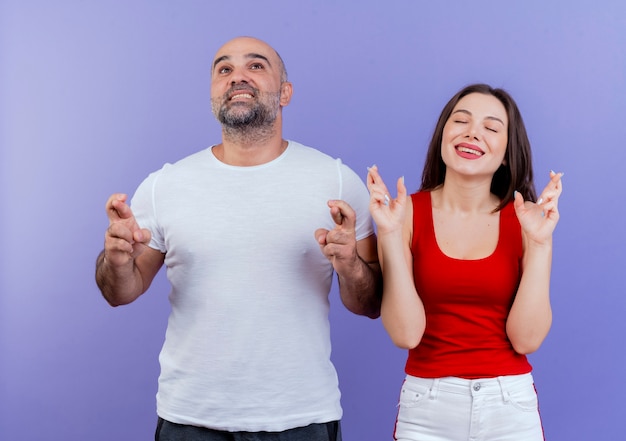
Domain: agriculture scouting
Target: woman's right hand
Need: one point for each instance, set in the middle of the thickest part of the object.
(388, 213)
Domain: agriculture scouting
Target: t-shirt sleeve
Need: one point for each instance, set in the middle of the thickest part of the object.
(143, 207)
(354, 192)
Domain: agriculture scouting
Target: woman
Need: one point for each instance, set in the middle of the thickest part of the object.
(466, 264)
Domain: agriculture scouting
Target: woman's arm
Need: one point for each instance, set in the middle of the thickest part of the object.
(402, 310)
(530, 317)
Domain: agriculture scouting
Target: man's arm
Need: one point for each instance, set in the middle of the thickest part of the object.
(126, 267)
(356, 262)
(360, 286)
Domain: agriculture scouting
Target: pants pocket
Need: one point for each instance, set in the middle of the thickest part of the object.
(413, 395)
(524, 398)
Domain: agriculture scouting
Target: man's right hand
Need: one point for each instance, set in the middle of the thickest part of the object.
(126, 266)
(124, 240)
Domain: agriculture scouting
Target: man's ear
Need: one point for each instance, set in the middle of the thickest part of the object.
(286, 90)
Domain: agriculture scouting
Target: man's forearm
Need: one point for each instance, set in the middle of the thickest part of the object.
(360, 288)
(119, 286)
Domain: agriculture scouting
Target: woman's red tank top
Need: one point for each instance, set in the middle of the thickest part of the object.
(466, 301)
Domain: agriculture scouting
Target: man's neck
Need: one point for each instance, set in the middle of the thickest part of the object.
(245, 149)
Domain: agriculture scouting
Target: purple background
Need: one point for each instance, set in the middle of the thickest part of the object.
(96, 94)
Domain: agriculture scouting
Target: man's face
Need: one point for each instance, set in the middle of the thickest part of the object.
(246, 87)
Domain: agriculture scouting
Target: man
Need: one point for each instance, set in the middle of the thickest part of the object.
(240, 227)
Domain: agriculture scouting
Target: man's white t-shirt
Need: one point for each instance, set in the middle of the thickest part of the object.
(247, 345)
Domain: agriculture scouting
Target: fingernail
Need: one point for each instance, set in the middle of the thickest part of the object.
(540, 200)
(387, 200)
(514, 193)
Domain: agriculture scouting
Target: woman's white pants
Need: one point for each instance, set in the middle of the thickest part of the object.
(451, 409)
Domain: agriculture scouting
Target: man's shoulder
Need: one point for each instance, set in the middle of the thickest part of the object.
(304, 151)
(190, 161)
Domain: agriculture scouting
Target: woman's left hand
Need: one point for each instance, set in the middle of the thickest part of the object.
(538, 220)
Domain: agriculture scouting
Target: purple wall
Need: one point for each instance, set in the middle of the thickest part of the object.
(96, 94)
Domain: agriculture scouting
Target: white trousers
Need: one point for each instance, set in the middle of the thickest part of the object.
(455, 409)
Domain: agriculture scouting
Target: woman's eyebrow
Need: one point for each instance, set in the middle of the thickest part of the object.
(467, 112)
(462, 111)
(495, 118)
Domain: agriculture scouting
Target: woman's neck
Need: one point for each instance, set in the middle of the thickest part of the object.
(466, 196)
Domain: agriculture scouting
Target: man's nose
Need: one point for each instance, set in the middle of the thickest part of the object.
(239, 75)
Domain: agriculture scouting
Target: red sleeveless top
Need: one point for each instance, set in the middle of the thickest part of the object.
(466, 301)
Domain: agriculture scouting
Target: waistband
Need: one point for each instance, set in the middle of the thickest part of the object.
(480, 386)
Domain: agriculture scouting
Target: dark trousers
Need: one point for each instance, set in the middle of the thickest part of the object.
(167, 431)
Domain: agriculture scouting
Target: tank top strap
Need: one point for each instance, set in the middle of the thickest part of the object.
(422, 215)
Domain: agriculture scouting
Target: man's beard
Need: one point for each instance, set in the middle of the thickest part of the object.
(246, 116)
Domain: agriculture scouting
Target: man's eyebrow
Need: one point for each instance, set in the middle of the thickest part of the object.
(467, 112)
(262, 57)
(220, 59)
(251, 56)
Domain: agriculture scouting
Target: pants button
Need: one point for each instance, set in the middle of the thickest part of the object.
(477, 387)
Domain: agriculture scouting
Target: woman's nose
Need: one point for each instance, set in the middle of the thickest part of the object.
(472, 132)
